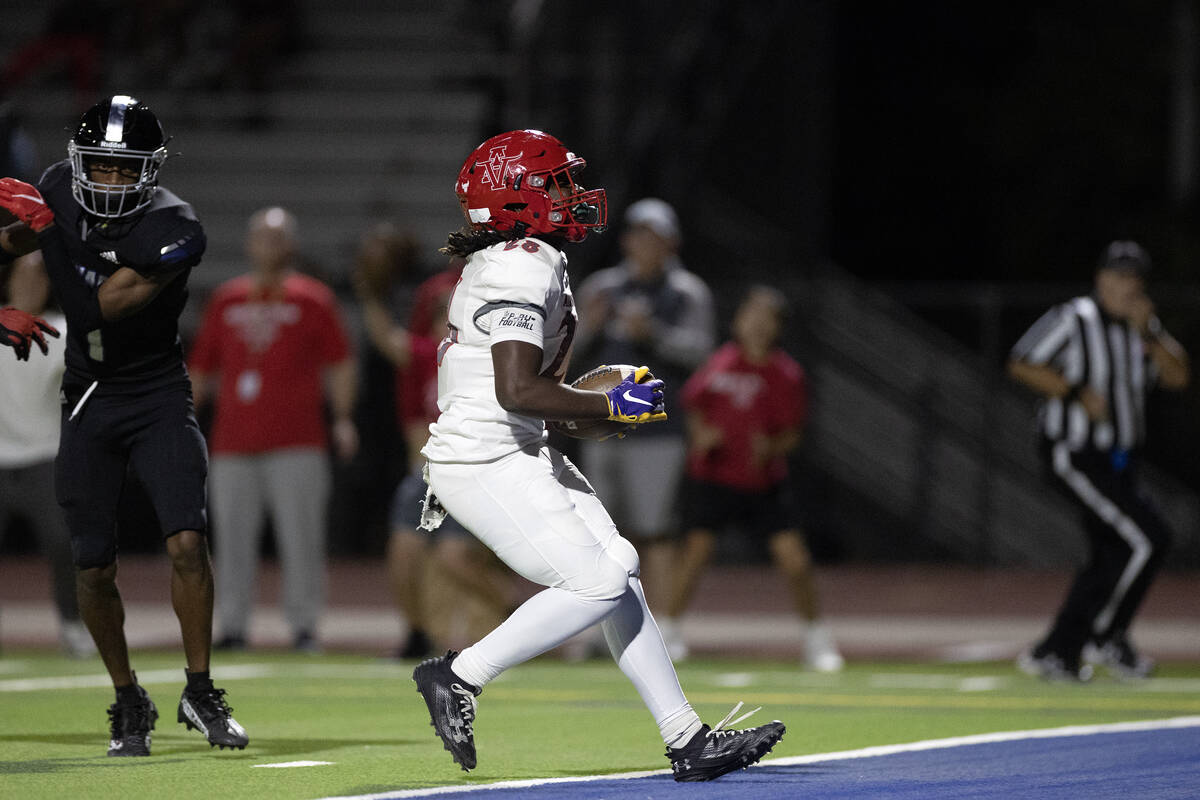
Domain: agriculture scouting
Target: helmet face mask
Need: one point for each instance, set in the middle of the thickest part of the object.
(524, 181)
(119, 135)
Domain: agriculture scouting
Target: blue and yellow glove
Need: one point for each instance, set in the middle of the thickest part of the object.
(635, 402)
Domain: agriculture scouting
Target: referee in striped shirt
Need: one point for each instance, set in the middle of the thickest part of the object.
(1094, 359)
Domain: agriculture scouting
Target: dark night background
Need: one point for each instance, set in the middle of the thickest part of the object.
(969, 160)
(937, 141)
(1008, 141)
(946, 152)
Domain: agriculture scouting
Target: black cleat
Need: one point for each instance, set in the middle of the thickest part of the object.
(712, 752)
(451, 702)
(1050, 666)
(1120, 658)
(206, 711)
(131, 724)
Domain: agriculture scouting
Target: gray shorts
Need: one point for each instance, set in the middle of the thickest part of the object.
(406, 509)
(638, 481)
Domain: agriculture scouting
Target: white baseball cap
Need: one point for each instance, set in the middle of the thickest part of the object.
(655, 214)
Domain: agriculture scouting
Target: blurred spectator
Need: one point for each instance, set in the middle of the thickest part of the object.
(646, 310)
(72, 41)
(273, 343)
(1094, 360)
(745, 410)
(29, 425)
(18, 154)
(385, 272)
(416, 559)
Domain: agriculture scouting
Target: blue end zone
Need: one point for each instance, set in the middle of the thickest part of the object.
(1163, 764)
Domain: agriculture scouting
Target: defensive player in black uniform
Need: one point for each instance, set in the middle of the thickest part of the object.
(118, 249)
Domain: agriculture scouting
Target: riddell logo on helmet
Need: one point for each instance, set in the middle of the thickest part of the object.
(114, 145)
(497, 166)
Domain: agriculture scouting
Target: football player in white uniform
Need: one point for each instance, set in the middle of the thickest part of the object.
(500, 377)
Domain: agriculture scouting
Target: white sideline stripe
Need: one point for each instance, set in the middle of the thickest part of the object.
(866, 752)
(440, 790)
(231, 673)
(903, 680)
(287, 764)
(147, 678)
(992, 738)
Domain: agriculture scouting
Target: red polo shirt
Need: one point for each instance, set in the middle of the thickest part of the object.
(268, 350)
(744, 400)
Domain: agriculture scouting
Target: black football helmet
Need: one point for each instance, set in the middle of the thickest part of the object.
(120, 133)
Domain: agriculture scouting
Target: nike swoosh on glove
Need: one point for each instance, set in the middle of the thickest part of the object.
(26, 204)
(19, 328)
(633, 401)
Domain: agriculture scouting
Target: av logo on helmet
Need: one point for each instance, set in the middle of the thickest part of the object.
(497, 166)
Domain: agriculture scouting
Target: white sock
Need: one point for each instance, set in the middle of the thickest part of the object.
(677, 729)
(637, 646)
(542, 623)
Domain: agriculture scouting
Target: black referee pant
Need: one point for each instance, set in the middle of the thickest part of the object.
(1127, 541)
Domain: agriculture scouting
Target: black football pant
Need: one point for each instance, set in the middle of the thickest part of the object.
(1127, 541)
(151, 432)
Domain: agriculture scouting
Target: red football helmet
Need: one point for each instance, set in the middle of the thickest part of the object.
(525, 181)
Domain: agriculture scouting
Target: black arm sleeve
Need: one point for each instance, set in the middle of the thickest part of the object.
(79, 302)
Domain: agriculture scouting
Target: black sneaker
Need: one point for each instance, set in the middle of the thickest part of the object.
(1051, 666)
(1120, 658)
(714, 751)
(206, 711)
(451, 702)
(131, 724)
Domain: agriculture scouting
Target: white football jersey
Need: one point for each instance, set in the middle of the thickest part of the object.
(514, 290)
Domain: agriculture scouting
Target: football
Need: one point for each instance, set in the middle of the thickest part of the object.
(599, 379)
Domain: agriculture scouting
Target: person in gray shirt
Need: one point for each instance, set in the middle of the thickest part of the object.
(647, 309)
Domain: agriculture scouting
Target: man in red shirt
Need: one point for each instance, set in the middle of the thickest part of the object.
(746, 408)
(274, 352)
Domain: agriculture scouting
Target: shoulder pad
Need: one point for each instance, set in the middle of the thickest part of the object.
(163, 242)
(55, 186)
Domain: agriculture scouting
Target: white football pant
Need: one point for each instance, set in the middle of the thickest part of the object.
(538, 513)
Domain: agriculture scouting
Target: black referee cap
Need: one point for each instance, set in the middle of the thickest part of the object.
(1125, 255)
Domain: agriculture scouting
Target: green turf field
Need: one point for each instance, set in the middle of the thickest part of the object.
(543, 719)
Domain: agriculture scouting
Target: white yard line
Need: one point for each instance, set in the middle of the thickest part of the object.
(145, 678)
(912, 680)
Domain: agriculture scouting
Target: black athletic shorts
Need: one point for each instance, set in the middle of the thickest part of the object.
(717, 507)
(152, 433)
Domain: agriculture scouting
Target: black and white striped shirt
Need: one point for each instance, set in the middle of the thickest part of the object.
(1091, 348)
